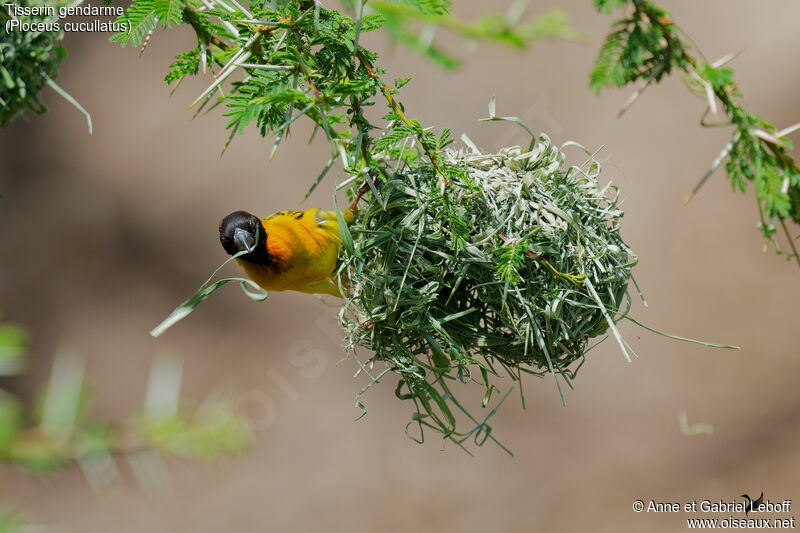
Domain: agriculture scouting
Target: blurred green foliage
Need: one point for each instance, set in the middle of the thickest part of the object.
(9, 523)
(415, 25)
(28, 59)
(13, 342)
(59, 430)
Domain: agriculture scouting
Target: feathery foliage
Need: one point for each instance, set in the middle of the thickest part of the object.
(644, 46)
(299, 59)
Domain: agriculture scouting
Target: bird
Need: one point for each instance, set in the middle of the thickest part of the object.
(752, 504)
(288, 250)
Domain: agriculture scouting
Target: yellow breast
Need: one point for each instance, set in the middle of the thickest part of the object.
(304, 246)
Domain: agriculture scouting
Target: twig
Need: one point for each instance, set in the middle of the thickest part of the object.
(791, 241)
(429, 151)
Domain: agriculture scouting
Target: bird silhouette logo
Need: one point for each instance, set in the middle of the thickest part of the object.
(752, 504)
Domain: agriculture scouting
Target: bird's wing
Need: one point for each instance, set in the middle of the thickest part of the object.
(328, 218)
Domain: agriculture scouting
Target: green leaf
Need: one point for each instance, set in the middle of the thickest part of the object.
(344, 230)
(169, 12)
(251, 290)
(140, 18)
(718, 77)
(13, 346)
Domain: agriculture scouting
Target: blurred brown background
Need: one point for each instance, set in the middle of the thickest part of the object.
(103, 235)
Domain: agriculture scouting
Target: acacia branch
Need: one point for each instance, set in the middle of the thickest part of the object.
(432, 154)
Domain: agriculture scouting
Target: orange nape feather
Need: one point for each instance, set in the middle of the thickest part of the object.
(304, 249)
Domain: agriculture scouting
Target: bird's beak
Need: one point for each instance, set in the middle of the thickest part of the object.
(245, 240)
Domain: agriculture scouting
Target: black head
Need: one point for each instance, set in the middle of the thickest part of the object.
(242, 231)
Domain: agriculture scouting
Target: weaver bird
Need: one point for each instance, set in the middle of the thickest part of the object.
(289, 250)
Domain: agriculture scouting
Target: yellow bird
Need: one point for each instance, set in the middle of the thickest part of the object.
(288, 251)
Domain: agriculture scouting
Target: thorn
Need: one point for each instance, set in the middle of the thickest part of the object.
(786, 131)
(727, 59)
(761, 134)
(712, 99)
(146, 39)
(632, 99)
(714, 166)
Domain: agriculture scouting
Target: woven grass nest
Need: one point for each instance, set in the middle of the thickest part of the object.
(512, 266)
